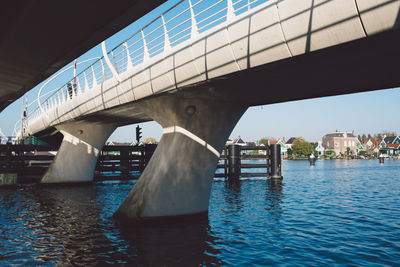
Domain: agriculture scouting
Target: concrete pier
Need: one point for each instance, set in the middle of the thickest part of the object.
(178, 179)
(77, 156)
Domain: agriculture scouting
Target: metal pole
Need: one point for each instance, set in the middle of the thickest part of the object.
(276, 162)
(381, 159)
(234, 162)
(312, 160)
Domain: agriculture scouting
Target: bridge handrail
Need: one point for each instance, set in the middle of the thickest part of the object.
(145, 43)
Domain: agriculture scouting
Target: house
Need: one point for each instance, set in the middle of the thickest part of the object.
(390, 145)
(389, 140)
(262, 152)
(289, 142)
(391, 150)
(319, 148)
(239, 141)
(370, 146)
(283, 147)
(340, 141)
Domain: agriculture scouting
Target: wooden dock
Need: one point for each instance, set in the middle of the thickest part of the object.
(30, 162)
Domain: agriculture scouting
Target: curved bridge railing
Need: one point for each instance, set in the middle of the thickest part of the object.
(178, 24)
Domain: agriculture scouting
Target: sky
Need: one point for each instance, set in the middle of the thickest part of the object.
(369, 112)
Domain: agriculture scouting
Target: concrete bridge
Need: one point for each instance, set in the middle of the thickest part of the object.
(196, 69)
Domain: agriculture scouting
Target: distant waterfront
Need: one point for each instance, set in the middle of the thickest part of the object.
(337, 212)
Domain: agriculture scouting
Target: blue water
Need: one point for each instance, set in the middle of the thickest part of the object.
(336, 213)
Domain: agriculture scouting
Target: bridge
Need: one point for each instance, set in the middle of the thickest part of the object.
(196, 69)
(57, 33)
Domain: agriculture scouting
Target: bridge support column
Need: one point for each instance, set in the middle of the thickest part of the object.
(178, 178)
(77, 157)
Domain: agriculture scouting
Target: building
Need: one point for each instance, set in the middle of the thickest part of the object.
(390, 145)
(338, 142)
(283, 147)
(389, 140)
(289, 142)
(370, 146)
(239, 141)
(319, 148)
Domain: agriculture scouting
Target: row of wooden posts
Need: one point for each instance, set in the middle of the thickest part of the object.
(128, 162)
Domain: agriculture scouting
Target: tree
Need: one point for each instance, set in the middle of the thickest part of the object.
(301, 147)
(347, 151)
(150, 140)
(363, 137)
(263, 141)
(389, 133)
(290, 153)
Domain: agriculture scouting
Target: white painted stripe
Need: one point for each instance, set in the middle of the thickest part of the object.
(192, 136)
(169, 130)
(213, 150)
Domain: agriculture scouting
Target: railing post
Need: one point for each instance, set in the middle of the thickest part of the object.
(142, 158)
(146, 54)
(195, 30)
(276, 162)
(233, 162)
(124, 160)
(167, 44)
(226, 162)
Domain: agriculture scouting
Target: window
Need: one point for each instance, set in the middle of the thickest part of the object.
(345, 143)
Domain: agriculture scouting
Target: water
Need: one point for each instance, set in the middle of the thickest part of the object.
(336, 213)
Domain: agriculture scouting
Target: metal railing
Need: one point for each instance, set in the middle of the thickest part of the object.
(178, 24)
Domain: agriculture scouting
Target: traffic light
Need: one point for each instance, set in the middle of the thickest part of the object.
(138, 134)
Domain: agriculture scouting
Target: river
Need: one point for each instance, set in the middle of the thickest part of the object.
(339, 212)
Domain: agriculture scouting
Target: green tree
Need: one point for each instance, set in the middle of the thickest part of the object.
(290, 153)
(389, 133)
(348, 151)
(301, 147)
(363, 137)
(263, 141)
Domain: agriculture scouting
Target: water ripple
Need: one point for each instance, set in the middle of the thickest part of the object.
(336, 213)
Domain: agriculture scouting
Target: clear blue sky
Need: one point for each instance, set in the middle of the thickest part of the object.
(369, 112)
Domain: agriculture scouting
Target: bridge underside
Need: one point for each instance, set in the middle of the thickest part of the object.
(198, 119)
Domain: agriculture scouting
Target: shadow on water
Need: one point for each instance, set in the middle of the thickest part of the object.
(71, 225)
(188, 243)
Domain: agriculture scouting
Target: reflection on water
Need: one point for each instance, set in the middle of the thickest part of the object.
(64, 225)
(189, 244)
(273, 196)
(339, 212)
